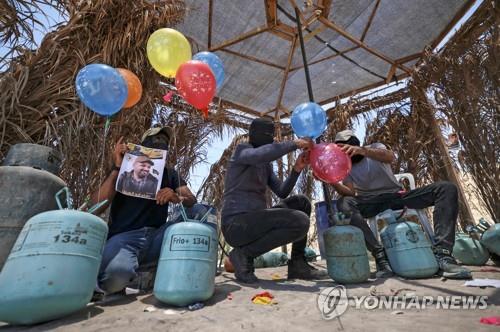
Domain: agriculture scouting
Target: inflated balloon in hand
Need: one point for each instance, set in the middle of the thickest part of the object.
(329, 163)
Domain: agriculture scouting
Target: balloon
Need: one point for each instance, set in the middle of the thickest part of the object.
(215, 64)
(308, 120)
(101, 88)
(329, 163)
(167, 49)
(195, 82)
(134, 87)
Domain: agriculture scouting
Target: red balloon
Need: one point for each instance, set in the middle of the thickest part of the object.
(329, 163)
(196, 83)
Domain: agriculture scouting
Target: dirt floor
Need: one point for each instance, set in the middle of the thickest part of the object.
(296, 308)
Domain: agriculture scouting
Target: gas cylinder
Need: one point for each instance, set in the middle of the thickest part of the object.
(270, 259)
(345, 249)
(491, 237)
(34, 155)
(310, 254)
(52, 268)
(26, 188)
(187, 265)
(469, 251)
(408, 248)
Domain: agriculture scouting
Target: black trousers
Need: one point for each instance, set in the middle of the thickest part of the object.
(258, 232)
(442, 195)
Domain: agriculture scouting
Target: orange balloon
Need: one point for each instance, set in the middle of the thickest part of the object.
(134, 87)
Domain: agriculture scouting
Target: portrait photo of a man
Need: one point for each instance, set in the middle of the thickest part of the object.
(139, 181)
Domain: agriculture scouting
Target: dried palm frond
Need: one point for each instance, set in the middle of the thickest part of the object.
(38, 101)
(212, 189)
(463, 82)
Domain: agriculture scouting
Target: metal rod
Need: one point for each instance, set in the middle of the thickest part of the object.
(304, 56)
(326, 193)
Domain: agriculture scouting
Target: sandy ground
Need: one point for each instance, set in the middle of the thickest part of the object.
(296, 309)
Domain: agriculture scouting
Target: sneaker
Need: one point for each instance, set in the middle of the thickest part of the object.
(449, 266)
(97, 296)
(384, 269)
(299, 269)
(243, 266)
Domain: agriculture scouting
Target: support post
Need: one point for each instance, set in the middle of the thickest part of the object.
(465, 211)
(326, 193)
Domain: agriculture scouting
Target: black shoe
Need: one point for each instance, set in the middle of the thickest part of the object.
(449, 266)
(97, 296)
(299, 269)
(495, 259)
(243, 266)
(384, 269)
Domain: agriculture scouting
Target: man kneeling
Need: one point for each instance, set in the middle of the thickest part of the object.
(136, 224)
(247, 224)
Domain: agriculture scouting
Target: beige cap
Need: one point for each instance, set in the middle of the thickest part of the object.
(156, 130)
(344, 135)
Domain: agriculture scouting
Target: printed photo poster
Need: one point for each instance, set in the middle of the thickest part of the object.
(141, 172)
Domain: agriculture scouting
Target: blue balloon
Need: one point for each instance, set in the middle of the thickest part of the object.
(101, 88)
(308, 120)
(215, 63)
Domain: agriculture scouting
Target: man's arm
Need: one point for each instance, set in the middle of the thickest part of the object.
(379, 154)
(283, 189)
(346, 189)
(181, 194)
(107, 188)
(269, 152)
(186, 196)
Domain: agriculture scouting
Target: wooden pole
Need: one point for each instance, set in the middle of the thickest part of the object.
(452, 176)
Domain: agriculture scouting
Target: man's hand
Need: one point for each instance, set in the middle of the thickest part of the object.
(352, 150)
(166, 195)
(119, 152)
(305, 144)
(301, 162)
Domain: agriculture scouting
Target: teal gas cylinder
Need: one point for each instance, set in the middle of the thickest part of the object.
(52, 268)
(408, 248)
(469, 251)
(310, 254)
(187, 265)
(491, 237)
(345, 249)
(270, 259)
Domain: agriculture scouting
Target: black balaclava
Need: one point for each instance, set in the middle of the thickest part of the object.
(261, 132)
(158, 141)
(353, 140)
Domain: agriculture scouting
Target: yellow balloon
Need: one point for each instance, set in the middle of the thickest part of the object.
(167, 49)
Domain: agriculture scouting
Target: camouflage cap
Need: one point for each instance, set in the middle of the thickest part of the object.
(156, 130)
(143, 159)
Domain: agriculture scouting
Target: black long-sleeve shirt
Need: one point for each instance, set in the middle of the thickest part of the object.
(249, 172)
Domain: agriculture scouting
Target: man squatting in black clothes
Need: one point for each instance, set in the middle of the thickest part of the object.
(248, 225)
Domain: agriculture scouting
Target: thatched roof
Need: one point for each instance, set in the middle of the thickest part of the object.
(352, 45)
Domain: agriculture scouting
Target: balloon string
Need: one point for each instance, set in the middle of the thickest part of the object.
(107, 125)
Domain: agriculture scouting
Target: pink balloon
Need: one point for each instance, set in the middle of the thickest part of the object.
(329, 163)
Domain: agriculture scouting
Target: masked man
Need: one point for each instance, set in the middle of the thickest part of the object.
(248, 225)
(371, 188)
(137, 225)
